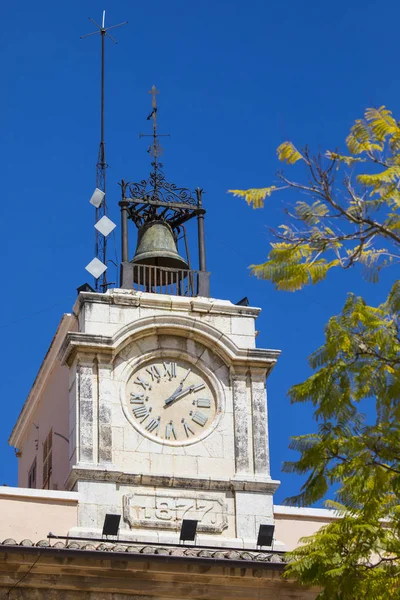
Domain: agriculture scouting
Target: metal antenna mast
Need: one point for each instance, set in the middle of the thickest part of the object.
(101, 167)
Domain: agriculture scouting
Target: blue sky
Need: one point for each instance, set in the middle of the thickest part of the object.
(236, 79)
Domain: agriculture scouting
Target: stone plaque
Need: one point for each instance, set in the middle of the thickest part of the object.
(166, 510)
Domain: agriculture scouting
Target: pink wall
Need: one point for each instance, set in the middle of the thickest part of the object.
(33, 514)
(292, 523)
(52, 411)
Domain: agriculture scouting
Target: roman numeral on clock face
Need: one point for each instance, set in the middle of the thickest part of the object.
(141, 411)
(145, 385)
(187, 429)
(203, 403)
(154, 372)
(153, 426)
(199, 418)
(170, 431)
(170, 370)
(137, 399)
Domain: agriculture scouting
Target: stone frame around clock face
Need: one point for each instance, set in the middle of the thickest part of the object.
(136, 363)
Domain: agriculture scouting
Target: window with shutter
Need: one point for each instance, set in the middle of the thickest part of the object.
(47, 459)
(32, 475)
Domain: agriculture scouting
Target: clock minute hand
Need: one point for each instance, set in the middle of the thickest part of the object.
(177, 391)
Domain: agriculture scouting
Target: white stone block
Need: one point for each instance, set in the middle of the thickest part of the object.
(246, 527)
(199, 450)
(254, 503)
(243, 326)
(214, 446)
(148, 446)
(132, 439)
(118, 417)
(252, 509)
(117, 438)
(101, 328)
(229, 445)
(97, 492)
(148, 343)
(97, 312)
(194, 348)
(244, 341)
(222, 373)
(161, 464)
(175, 450)
(123, 315)
(87, 515)
(185, 465)
(169, 342)
(212, 361)
(216, 468)
(132, 462)
(130, 351)
(117, 315)
(223, 324)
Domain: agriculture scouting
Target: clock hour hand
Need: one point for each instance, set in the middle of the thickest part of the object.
(176, 392)
(177, 395)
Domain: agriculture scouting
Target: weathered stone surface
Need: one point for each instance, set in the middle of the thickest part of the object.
(260, 430)
(85, 404)
(241, 411)
(125, 330)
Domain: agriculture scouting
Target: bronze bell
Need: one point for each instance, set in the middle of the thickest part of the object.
(156, 247)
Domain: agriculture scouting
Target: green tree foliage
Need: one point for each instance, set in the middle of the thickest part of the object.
(342, 223)
(357, 555)
(337, 224)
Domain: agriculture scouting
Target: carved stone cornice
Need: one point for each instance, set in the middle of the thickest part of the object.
(100, 474)
(120, 297)
(179, 325)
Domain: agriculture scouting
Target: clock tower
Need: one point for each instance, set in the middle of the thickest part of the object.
(166, 388)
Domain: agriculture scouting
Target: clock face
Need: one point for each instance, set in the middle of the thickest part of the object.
(171, 400)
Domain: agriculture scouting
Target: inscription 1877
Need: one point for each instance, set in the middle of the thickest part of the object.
(163, 511)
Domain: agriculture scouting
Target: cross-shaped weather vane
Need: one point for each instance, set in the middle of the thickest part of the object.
(155, 150)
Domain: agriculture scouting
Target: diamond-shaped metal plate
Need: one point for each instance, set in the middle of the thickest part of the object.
(97, 198)
(105, 225)
(96, 268)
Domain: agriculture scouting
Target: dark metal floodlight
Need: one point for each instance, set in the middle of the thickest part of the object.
(111, 524)
(85, 288)
(265, 535)
(243, 302)
(188, 530)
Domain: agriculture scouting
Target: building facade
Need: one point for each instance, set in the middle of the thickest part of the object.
(150, 406)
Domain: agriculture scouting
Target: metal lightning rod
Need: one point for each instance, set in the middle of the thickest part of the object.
(101, 167)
